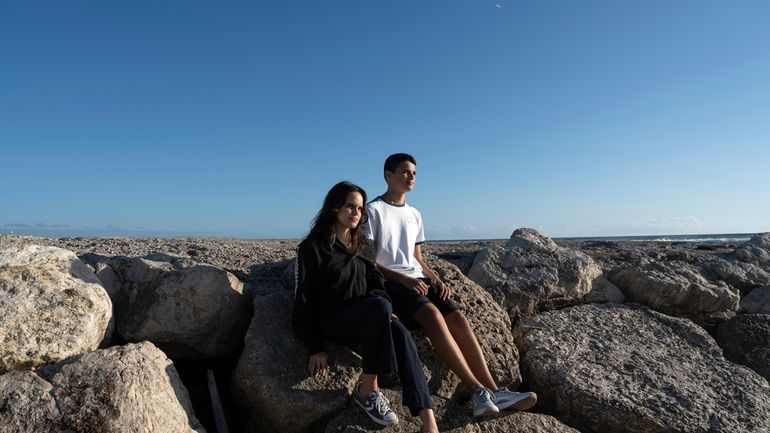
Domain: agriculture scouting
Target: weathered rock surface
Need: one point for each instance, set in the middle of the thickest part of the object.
(625, 368)
(490, 324)
(27, 404)
(258, 263)
(603, 291)
(531, 272)
(676, 288)
(451, 418)
(270, 382)
(756, 302)
(756, 250)
(743, 276)
(189, 310)
(131, 388)
(745, 339)
(761, 240)
(51, 307)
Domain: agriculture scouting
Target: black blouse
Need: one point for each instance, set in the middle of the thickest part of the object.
(328, 277)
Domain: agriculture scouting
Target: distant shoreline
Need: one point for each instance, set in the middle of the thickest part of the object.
(712, 237)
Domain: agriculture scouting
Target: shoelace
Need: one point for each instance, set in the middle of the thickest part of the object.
(484, 393)
(381, 403)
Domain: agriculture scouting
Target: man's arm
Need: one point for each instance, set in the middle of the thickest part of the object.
(441, 288)
(414, 284)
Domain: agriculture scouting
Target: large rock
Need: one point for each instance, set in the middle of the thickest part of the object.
(189, 310)
(610, 368)
(678, 289)
(745, 339)
(451, 418)
(761, 240)
(756, 250)
(756, 302)
(270, 382)
(27, 404)
(742, 276)
(51, 307)
(132, 388)
(531, 273)
(490, 324)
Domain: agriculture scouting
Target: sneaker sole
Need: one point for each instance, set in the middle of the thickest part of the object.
(524, 404)
(487, 411)
(372, 417)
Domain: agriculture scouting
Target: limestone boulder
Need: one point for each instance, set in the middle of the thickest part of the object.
(756, 302)
(745, 339)
(51, 307)
(532, 273)
(742, 276)
(191, 311)
(678, 289)
(603, 291)
(451, 418)
(627, 368)
(761, 240)
(124, 388)
(132, 388)
(270, 382)
(27, 404)
(490, 324)
(756, 250)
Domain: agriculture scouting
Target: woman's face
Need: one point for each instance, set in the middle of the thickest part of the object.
(350, 213)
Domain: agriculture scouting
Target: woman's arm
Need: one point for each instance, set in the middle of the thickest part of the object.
(306, 291)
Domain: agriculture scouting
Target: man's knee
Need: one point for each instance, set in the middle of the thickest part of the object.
(456, 318)
(428, 316)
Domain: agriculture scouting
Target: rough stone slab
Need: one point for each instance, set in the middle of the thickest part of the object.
(626, 368)
(532, 273)
(191, 311)
(51, 307)
(270, 382)
(745, 339)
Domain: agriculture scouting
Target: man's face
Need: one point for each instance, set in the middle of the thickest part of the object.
(403, 179)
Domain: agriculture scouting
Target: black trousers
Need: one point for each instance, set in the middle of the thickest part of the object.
(385, 345)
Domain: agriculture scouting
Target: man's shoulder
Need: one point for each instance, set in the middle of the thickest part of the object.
(375, 203)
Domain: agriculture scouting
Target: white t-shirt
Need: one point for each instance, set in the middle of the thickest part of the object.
(395, 230)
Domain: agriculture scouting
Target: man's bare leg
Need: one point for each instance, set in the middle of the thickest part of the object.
(436, 329)
(469, 347)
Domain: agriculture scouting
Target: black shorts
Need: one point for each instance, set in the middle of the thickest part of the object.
(406, 303)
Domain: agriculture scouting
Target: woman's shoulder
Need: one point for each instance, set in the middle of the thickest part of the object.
(312, 243)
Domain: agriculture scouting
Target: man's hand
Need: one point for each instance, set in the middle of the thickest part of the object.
(416, 285)
(441, 289)
(318, 364)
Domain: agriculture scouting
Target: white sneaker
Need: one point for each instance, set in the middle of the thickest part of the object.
(505, 399)
(483, 404)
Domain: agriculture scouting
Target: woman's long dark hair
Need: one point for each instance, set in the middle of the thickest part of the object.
(323, 223)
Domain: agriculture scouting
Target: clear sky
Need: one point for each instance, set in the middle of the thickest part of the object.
(578, 118)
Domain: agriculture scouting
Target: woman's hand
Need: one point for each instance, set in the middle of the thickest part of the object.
(318, 364)
(416, 285)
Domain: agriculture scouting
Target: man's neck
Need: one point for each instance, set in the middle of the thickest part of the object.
(395, 198)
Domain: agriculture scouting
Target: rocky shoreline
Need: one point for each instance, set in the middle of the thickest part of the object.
(614, 336)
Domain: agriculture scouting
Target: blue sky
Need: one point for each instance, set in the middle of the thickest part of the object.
(578, 118)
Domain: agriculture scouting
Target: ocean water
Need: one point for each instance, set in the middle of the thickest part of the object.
(717, 237)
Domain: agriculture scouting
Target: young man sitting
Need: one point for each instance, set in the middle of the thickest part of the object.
(420, 297)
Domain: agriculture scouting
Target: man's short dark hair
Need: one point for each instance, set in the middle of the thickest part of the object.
(393, 161)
